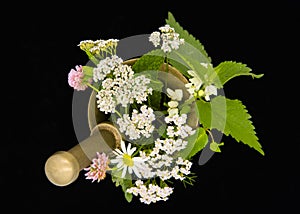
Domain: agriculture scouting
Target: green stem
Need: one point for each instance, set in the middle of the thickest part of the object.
(118, 113)
(126, 110)
(90, 85)
(92, 57)
(210, 134)
(137, 151)
(166, 80)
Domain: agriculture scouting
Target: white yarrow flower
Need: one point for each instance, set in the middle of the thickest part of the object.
(150, 193)
(155, 38)
(168, 39)
(138, 124)
(105, 67)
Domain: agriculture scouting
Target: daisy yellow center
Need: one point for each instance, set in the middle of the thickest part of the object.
(127, 160)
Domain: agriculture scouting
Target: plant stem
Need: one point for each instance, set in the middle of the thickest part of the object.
(164, 98)
(210, 134)
(118, 113)
(90, 85)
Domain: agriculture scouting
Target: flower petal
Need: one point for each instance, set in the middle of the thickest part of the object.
(130, 170)
(116, 160)
(128, 148)
(130, 152)
(118, 151)
(120, 165)
(123, 147)
(124, 171)
(136, 172)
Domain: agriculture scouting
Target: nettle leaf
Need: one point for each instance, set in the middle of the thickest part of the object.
(206, 73)
(215, 147)
(188, 38)
(186, 57)
(148, 65)
(213, 114)
(230, 69)
(185, 60)
(232, 119)
(154, 99)
(150, 61)
(200, 142)
(196, 143)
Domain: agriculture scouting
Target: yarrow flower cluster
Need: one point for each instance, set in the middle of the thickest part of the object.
(119, 85)
(150, 193)
(163, 123)
(167, 38)
(99, 47)
(162, 158)
(139, 124)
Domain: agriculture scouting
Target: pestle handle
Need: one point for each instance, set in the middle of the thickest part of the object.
(63, 167)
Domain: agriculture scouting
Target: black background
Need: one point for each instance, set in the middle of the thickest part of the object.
(238, 180)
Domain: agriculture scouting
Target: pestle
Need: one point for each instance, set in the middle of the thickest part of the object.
(63, 167)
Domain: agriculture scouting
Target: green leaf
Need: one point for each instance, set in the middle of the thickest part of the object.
(186, 36)
(124, 183)
(88, 74)
(161, 130)
(206, 73)
(128, 196)
(88, 70)
(230, 69)
(200, 142)
(232, 119)
(149, 65)
(150, 61)
(215, 147)
(185, 109)
(154, 99)
(196, 143)
(185, 58)
(127, 183)
(213, 114)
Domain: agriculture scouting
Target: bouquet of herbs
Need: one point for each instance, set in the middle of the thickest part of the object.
(167, 105)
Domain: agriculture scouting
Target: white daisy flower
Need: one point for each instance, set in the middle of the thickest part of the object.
(125, 162)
